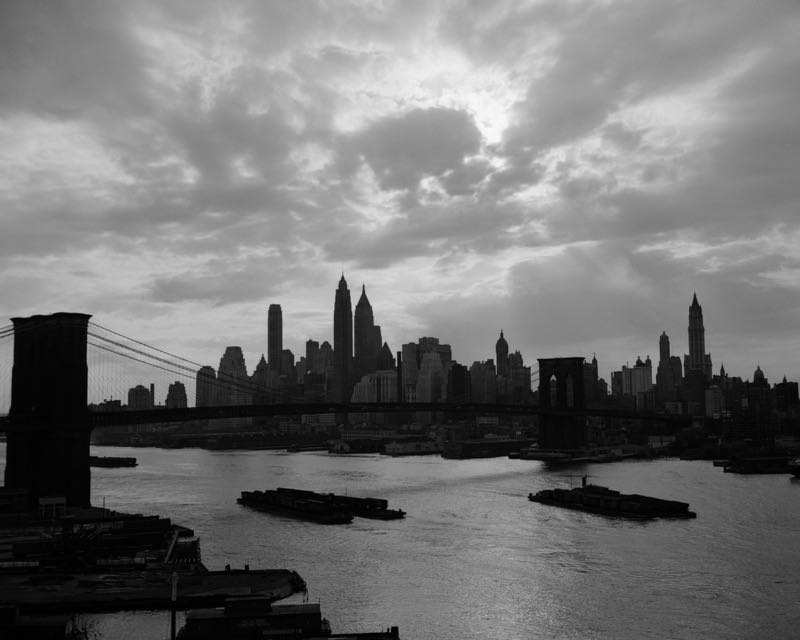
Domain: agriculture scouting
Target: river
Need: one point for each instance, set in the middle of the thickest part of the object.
(474, 558)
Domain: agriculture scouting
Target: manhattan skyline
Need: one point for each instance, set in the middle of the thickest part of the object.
(570, 174)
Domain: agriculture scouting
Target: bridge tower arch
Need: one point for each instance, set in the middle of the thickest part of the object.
(561, 387)
(47, 450)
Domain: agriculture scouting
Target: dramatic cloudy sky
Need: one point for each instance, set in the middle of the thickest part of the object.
(570, 172)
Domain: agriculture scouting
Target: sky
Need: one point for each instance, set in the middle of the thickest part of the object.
(570, 172)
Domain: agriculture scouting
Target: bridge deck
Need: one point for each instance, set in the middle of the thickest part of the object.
(102, 419)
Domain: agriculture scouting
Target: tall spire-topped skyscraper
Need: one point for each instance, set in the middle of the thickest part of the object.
(698, 359)
(697, 336)
(501, 351)
(366, 350)
(274, 337)
(343, 340)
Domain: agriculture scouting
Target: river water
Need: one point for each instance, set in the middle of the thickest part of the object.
(474, 558)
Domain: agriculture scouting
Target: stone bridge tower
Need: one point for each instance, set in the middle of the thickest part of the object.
(47, 450)
(561, 386)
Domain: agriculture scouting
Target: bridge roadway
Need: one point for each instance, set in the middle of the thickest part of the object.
(101, 419)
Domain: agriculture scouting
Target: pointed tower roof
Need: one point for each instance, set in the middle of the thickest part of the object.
(501, 339)
(342, 281)
(363, 301)
(695, 303)
(385, 357)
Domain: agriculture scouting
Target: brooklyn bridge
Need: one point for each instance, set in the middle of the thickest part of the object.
(49, 422)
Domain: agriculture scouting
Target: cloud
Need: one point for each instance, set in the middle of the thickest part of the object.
(61, 59)
(568, 171)
(402, 150)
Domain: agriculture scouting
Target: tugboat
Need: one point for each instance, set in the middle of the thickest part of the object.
(596, 499)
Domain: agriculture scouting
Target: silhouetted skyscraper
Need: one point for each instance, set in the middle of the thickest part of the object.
(233, 383)
(325, 357)
(139, 397)
(663, 349)
(312, 356)
(458, 385)
(176, 396)
(697, 336)
(666, 384)
(483, 382)
(287, 364)
(274, 337)
(501, 351)
(385, 358)
(364, 340)
(260, 382)
(343, 340)
(409, 367)
(426, 344)
(205, 387)
(519, 377)
(698, 359)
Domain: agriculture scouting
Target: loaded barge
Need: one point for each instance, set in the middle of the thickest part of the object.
(111, 461)
(326, 508)
(605, 501)
(295, 506)
(375, 508)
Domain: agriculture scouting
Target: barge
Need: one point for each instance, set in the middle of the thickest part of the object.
(291, 504)
(374, 508)
(140, 589)
(247, 617)
(412, 448)
(111, 461)
(762, 464)
(602, 500)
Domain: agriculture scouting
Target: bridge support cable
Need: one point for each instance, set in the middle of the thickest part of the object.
(150, 360)
(179, 370)
(107, 375)
(190, 366)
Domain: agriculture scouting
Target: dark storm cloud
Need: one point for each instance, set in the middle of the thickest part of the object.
(402, 150)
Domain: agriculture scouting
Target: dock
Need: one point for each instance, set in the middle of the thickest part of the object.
(96, 592)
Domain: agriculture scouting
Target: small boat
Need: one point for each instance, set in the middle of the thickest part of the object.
(596, 499)
(794, 467)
